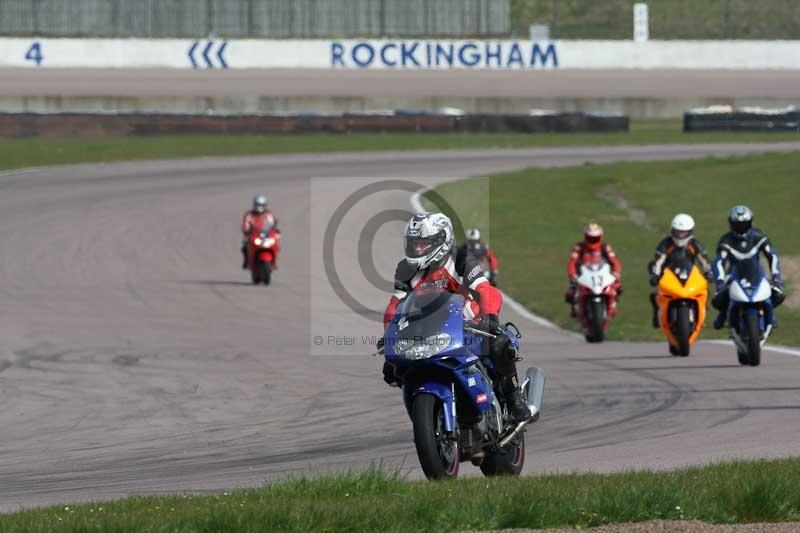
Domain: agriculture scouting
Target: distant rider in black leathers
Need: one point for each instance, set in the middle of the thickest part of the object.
(743, 241)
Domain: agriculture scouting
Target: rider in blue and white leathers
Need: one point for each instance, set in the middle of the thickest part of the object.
(743, 242)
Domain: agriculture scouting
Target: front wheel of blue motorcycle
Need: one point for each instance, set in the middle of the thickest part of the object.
(437, 451)
(507, 461)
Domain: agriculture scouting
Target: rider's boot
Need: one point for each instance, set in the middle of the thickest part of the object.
(719, 322)
(656, 324)
(244, 258)
(518, 410)
(569, 298)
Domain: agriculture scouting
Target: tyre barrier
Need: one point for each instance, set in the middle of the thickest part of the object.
(725, 118)
(87, 125)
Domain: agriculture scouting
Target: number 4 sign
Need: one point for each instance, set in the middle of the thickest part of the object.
(34, 53)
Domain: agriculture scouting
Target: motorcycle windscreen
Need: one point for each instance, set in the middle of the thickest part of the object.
(681, 265)
(749, 284)
(262, 231)
(427, 312)
(748, 269)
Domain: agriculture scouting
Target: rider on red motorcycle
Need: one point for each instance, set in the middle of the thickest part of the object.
(482, 252)
(258, 217)
(592, 246)
(430, 261)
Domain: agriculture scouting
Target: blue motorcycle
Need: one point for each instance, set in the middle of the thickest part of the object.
(750, 312)
(448, 388)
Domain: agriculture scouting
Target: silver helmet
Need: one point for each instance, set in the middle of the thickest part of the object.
(428, 238)
(259, 203)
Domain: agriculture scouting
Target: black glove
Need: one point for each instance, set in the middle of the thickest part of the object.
(493, 278)
(778, 295)
(388, 375)
(654, 280)
(380, 344)
(489, 324)
(717, 301)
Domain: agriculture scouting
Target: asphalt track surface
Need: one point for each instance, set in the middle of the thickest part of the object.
(136, 357)
(151, 83)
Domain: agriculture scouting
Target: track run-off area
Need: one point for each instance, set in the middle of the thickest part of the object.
(137, 358)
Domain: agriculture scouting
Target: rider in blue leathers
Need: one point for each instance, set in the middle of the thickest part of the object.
(743, 241)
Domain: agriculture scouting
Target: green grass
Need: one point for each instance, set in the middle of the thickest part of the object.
(533, 218)
(763, 491)
(669, 19)
(16, 153)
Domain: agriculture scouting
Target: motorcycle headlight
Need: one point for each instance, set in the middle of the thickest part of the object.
(257, 241)
(268, 242)
(419, 348)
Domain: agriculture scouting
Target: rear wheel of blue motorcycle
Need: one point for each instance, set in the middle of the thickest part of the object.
(506, 461)
(437, 452)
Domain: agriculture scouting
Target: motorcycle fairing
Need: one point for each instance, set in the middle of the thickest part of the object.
(596, 277)
(454, 369)
(748, 288)
(671, 288)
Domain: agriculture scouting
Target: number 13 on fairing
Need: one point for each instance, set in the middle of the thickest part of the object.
(34, 53)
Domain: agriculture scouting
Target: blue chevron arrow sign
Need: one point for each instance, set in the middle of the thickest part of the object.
(207, 57)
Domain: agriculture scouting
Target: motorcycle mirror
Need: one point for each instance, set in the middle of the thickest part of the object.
(514, 329)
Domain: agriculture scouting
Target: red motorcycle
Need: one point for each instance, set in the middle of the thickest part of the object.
(597, 299)
(263, 245)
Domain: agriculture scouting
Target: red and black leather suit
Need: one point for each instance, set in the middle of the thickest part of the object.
(458, 273)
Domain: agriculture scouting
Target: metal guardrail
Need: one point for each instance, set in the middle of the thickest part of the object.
(254, 18)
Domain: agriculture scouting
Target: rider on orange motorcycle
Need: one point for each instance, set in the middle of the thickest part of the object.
(591, 247)
(258, 217)
(680, 242)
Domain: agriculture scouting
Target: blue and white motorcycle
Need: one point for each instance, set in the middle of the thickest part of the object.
(448, 388)
(750, 312)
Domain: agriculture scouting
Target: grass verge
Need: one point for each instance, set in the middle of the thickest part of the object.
(16, 153)
(763, 491)
(533, 218)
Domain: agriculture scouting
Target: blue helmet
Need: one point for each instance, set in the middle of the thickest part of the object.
(740, 219)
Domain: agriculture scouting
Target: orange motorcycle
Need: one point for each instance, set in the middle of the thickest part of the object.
(682, 297)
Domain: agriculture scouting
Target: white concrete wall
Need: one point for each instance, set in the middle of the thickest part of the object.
(397, 54)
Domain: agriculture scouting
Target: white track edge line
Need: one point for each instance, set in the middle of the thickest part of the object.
(770, 347)
(18, 171)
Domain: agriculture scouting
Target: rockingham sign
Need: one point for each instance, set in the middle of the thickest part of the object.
(444, 54)
(397, 54)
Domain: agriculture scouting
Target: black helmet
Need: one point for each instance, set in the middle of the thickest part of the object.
(741, 219)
